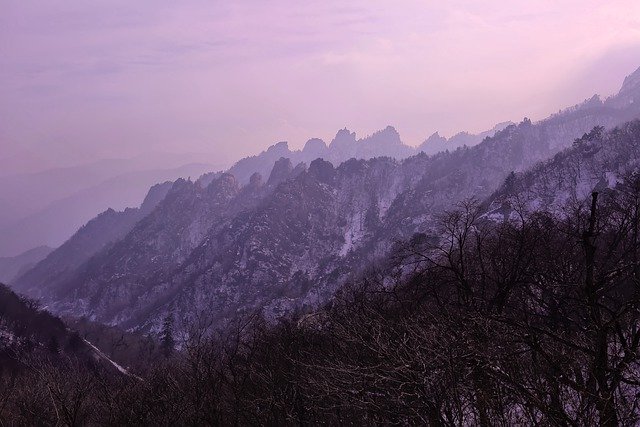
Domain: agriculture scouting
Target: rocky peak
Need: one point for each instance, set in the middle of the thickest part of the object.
(629, 94)
(154, 196)
(314, 145)
(388, 135)
(343, 137)
(501, 126)
(256, 180)
(281, 147)
(322, 170)
(385, 143)
(206, 178)
(433, 144)
(300, 168)
(180, 185)
(631, 83)
(107, 212)
(282, 168)
(225, 186)
(435, 138)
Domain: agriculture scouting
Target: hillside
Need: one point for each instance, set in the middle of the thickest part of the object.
(31, 337)
(105, 229)
(527, 319)
(223, 249)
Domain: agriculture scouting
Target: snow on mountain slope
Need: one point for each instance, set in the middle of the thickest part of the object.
(226, 249)
(599, 161)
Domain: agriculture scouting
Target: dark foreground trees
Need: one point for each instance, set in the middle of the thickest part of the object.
(535, 321)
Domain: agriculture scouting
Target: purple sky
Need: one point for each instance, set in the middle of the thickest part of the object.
(81, 80)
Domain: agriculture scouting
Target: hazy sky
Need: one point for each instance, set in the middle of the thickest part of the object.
(87, 79)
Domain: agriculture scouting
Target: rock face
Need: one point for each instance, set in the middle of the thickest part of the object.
(599, 161)
(102, 231)
(345, 145)
(280, 172)
(631, 84)
(629, 95)
(237, 245)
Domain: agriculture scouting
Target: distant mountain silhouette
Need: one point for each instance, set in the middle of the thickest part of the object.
(75, 197)
(12, 267)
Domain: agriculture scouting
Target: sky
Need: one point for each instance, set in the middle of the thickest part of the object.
(84, 80)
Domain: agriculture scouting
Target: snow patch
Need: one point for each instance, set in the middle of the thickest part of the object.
(612, 179)
(108, 360)
(353, 233)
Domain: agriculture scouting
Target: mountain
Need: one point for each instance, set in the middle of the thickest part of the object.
(344, 146)
(436, 143)
(616, 109)
(629, 93)
(12, 267)
(598, 161)
(159, 238)
(25, 329)
(108, 227)
(542, 305)
(28, 192)
(482, 305)
(226, 248)
(47, 207)
(33, 339)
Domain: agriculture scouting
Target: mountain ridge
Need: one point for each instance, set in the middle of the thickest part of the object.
(289, 244)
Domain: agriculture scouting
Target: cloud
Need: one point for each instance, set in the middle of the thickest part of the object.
(116, 78)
